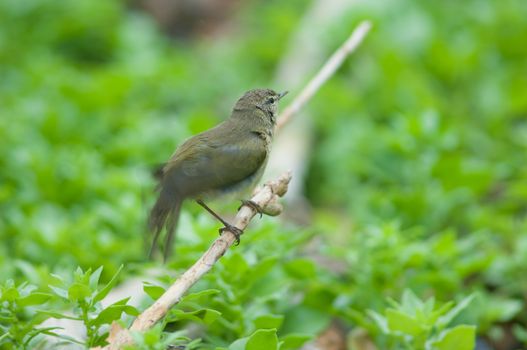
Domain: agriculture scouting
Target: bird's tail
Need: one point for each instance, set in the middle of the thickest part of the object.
(164, 213)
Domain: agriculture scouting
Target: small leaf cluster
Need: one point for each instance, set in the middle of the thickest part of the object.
(417, 324)
(84, 295)
(19, 319)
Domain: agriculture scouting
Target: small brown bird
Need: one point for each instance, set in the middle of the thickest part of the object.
(225, 159)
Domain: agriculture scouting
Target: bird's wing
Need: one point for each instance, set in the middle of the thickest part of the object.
(204, 163)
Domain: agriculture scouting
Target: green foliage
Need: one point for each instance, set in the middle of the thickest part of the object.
(259, 340)
(85, 295)
(248, 301)
(417, 175)
(417, 324)
(18, 318)
(156, 339)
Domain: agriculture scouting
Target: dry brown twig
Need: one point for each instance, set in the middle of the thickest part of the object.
(265, 196)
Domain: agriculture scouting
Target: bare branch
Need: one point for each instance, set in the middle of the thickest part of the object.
(329, 68)
(267, 198)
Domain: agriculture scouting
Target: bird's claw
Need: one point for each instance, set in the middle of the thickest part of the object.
(234, 230)
(253, 205)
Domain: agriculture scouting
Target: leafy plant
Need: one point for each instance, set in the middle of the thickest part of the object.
(18, 318)
(417, 324)
(84, 294)
(156, 339)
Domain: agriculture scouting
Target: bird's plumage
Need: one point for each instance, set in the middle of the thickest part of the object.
(224, 159)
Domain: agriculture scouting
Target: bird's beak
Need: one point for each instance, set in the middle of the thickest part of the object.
(282, 94)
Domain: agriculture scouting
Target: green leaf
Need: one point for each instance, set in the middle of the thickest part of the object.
(235, 264)
(379, 320)
(58, 278)
(444, 320)
(303, 319)
(4, 336)
(206, 316)
(268, 321)
(107, 288)
(78, 274)
(34, 299)
(63, 293)
(239, 344)
(443, 309)
(462, 337)
(94, 278)
(9, 318)
(261, 269)
(520, 333)
(200, 294)
(504, 309)
(78, 291)
(64, 337)
(113, 312)
(149, 337)
(9, 292)
(262, 339)
(411, 303)
(301, 268)
(401, 322)
(294, 341)
(57, 315)
(153, 291)
(36, 331)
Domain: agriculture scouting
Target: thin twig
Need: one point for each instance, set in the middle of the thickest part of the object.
(329, 68)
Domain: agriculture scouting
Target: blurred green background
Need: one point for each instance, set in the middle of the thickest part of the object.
(417, 177)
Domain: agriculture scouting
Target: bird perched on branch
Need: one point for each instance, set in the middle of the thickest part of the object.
(228, 158)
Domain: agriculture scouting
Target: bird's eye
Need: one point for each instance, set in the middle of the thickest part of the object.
(270, 100)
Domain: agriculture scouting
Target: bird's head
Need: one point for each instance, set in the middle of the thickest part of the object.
(262, 102)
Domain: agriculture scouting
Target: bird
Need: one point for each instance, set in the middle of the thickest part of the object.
(226, 159)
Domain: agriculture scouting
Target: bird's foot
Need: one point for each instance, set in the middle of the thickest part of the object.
(234, 230)
(227, 227)
(253, 205)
